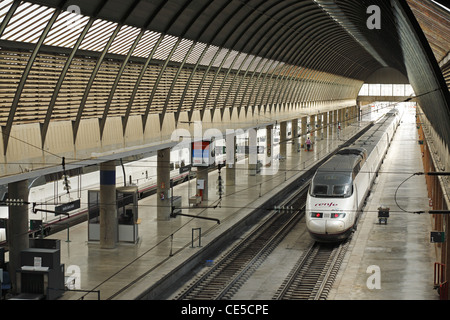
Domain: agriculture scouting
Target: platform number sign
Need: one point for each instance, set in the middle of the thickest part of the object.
(437, 237)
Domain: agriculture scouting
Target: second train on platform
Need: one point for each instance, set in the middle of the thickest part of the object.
(340, 186)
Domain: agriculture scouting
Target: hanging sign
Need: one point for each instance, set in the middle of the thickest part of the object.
(64, 208)
(203, 153)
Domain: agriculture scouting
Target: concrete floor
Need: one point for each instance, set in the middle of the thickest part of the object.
(400, 249)
(393, 261)
(109, 270)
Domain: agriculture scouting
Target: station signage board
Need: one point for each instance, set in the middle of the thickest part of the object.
(437, 237)
(67, 207)
(203, 153)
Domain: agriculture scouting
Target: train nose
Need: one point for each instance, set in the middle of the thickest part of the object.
(317, 226)
(334, 226)
(325, 226)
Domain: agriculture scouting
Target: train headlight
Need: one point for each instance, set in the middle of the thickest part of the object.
(336, 215)
(316, 215)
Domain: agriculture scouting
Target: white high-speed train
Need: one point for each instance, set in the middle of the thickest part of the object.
(339, 187)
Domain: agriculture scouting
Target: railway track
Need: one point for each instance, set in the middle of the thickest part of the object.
(314, 273)
(223, 279)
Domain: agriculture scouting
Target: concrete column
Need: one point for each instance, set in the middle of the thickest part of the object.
(304, 131)
(17, 227)
(252, 151)
(351, 117)
(319, 126)
(294, 131)
(202, 174)
(230, 172)
(163, 185)
(283, 138)
(312, 126)
(346, 116)
(354, 114)
(325, 124)
(108, 206)
(341, 118)
(269, 145)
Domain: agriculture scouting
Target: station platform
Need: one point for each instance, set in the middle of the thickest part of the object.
(400, 250)
(392, 261)
(126, 271)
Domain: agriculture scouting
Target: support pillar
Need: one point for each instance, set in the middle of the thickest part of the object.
(252, 151)
(319, 126)
(304, 131)
(108, 206)
(312, 125)
(202, 174)
(346, 116)
(294, 130)
(269, 145)
(283, 139)
(17, 227)
(325, 124)
(163, 185)
(351, 115)
(230, 172)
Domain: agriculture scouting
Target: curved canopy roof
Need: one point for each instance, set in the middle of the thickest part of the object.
(232, 48)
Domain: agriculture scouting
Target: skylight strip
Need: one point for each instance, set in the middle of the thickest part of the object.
(124, 40)
(196, 53)
(27, 24)
(98, 35)
(230, 59)
(146, 44)
(4, 8)
(66, 30)
(219, 59)
(182, 50)
(163, 51)
(211, 51)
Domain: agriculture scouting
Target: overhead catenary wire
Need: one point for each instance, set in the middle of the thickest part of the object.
(420, 211)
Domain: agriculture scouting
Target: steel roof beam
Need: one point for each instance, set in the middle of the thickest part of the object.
(7, 128)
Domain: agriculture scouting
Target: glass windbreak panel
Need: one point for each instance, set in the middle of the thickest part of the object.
(399, 89)
(364, 90)
(409, 91)
(386, 89)
(374, 89)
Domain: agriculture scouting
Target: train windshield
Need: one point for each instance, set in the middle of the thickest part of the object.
(331, 184)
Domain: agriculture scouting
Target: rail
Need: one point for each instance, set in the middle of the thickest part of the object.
(313, 275)
(234, 268)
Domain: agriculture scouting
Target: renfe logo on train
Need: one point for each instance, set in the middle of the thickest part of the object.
(326, 204)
